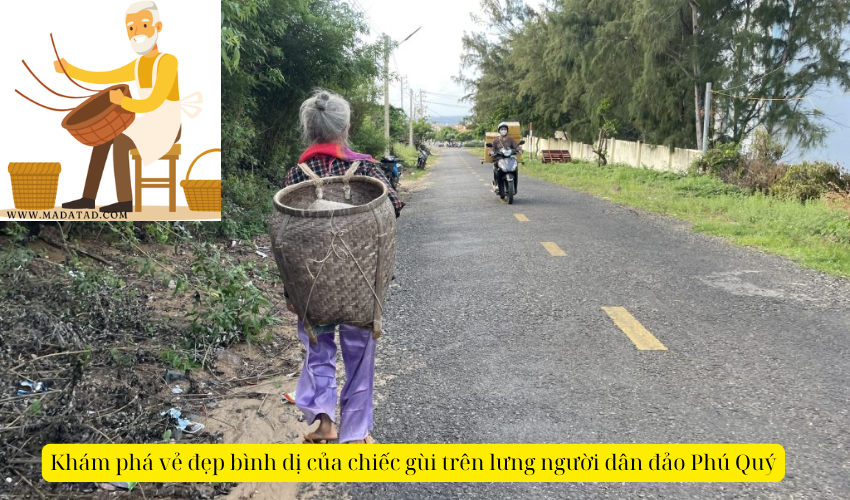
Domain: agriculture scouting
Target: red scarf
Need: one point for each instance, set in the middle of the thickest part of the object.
(336, 150)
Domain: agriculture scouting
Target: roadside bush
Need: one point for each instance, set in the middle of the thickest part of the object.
(808, 180)
(723, 160)
(408, 154)
(369, 138)
(246, 203)
(761, 167)
(228, 306)
(758, 175)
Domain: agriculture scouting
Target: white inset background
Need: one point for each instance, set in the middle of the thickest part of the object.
(91, 35)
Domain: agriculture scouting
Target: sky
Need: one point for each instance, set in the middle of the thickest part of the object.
(836, 105)
(431, 57)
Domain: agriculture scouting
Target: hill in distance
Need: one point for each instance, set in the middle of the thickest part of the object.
(445, 120)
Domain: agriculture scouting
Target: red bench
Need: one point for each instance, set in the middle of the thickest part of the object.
(555, 156)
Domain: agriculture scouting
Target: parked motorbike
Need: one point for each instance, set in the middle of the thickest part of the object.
(506, 170)
(392, 167)
(423, 158)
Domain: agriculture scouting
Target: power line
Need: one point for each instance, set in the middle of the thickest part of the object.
(754, 98)
(447, 95)
(449, 105)
(366, 17)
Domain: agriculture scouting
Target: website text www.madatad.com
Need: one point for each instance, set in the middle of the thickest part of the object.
(64, 215)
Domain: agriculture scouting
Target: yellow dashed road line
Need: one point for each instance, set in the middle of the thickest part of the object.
(640, 336)
(553, 249)
(521, 217)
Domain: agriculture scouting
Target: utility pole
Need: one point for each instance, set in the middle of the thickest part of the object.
(411, 119)
(401, 84)
(697, 104)
(387, 93)
(707, 115)
(387, 49)
(421, 102)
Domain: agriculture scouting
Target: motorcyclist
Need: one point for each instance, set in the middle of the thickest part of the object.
(501, 142)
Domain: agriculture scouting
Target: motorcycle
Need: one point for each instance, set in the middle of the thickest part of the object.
(423, 158)
(506, 169)
(391, 166)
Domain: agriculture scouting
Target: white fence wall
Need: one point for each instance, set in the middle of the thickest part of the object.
(635, 154)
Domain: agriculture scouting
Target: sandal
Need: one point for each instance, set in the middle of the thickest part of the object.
(311, 438)
(368, 440)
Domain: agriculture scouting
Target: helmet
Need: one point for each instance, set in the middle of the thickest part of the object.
(503, 124)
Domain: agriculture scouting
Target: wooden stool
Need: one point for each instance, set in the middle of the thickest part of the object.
(154, 182)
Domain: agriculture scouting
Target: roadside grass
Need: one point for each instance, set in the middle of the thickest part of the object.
(812, 234)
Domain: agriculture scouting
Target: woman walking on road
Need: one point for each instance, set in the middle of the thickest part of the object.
(325, 122)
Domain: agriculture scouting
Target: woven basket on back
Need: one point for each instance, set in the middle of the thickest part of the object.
(336, 265)
(202, 195)
(34, 184)
(97, 121)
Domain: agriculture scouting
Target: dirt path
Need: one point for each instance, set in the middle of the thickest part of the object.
(244, 419)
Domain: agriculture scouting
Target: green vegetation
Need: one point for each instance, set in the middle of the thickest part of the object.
(274, 53)
(811, 233)
(652, 60)
(808, 181)
(408, 155)
(179, 359)
(228, 306)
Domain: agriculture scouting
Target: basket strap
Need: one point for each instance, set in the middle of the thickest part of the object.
(314, 178)
(346, 188)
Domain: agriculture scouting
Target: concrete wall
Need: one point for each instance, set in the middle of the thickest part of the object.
(635, 154)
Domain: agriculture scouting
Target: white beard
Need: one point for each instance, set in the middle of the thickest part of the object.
(144, 46)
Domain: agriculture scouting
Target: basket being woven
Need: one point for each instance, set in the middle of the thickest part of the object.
(202, 195)
(34, 184)
(97, 121)
(336, 265)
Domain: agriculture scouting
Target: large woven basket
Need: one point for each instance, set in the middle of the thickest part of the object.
(34, 184)
(336, 265)
(97, 121)
(202, 195)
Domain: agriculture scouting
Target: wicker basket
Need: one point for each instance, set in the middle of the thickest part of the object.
(336, 265)
(34, 184)
(97, 121)
(202, 195)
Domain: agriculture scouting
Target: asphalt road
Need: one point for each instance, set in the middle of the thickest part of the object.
(491, 339)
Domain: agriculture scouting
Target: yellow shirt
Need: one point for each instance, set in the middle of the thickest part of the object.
(166, 81)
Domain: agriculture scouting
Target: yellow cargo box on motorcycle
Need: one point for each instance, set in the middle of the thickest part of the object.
(488, 139)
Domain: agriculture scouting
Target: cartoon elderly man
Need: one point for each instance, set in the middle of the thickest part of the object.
(153, 132)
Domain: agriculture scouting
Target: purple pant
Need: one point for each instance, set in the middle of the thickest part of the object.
(316, 392)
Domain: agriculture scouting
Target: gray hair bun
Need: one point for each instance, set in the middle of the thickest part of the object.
(325, 117)
(322, 101)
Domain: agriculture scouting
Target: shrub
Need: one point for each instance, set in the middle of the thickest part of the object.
(723, 160)
(408, 154)
(759, 175)
(246, 202)
(761, 168)
(765, 149)
(228, 306)
(369, 138)
(808, 180)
